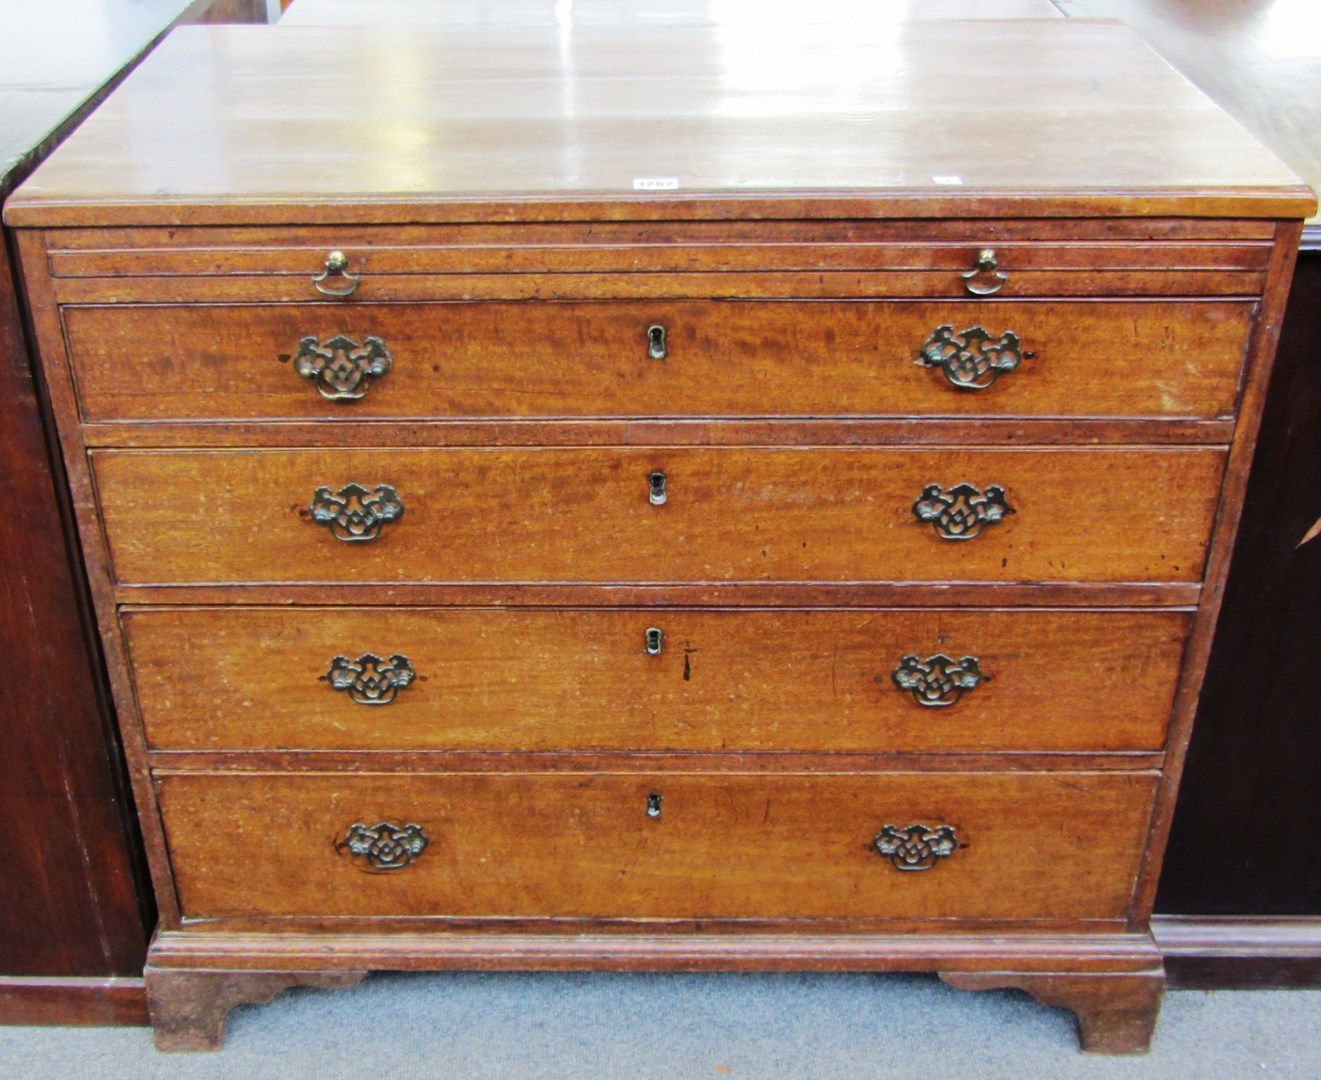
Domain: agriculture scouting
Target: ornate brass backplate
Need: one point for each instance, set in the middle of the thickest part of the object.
(938, 681)
(369, 680)
(974, 358)
(355, 513)
(341, 369)
(384, 846)
(915, 847)
(962, 512)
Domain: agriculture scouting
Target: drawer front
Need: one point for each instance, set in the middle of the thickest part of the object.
(1027, 846)
(712, 358)
(657, 679)
(822, 259)
(601, 515)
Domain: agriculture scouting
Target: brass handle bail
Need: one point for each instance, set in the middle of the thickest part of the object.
(337, 266)
(985, 278)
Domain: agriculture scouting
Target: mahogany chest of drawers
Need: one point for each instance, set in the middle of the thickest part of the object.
(546, 517)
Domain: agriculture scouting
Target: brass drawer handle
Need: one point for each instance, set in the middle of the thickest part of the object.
(938, 681)
(337, 266)
(985, 278)
(384, 846)
(342, 369)
(656, 347)
(973, 358)
(915, 847)
(962, 512)
(369, 680)
(356, 514)
(656, 494)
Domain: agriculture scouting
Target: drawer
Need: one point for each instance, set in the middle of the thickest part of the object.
(831, 514)
(715, 358)
(645, 260)
(1024, 846)
(544, 679)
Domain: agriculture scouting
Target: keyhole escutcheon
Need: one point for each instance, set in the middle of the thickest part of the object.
(656, 494)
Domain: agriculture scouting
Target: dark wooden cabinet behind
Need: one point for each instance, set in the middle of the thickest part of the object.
(1242, 877)
(69, 903)
(74, 913)
(1244, 838)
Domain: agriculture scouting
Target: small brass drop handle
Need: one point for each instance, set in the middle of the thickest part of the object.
(656, 342)
(985, 279)
(656, 493)
(337, 265)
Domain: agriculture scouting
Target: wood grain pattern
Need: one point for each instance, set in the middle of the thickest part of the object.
(577, 125)
(723, 358)
(546, 680)
(725, 845)
(583, 515)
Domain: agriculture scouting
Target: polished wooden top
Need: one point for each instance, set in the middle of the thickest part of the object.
(1260, 60)
(651, 12)
(54, 57)
(1057, 117)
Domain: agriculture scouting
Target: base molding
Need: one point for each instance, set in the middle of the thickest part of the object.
(709, 951)
(1111, 981)
(1200, 952)
(1239, 952)
(73, 1002)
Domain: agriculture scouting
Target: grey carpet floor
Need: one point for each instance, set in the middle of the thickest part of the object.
(639, 1027)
